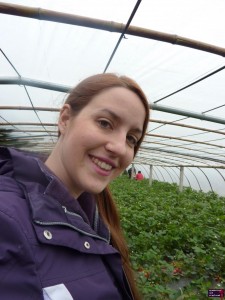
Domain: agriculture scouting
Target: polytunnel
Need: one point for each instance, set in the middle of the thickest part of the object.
(173, 49)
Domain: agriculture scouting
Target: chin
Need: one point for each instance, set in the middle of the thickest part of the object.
(90, 183)
(96, 189)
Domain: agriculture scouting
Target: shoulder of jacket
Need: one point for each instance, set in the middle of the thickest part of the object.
(12, 200)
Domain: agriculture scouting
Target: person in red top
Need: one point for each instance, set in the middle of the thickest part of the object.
(139, 176)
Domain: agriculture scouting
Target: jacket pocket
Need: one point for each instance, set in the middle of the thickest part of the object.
(57, 292)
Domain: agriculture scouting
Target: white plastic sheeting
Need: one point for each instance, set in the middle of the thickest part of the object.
(63, 54)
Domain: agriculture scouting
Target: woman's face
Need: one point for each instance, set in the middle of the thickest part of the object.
(96, 145)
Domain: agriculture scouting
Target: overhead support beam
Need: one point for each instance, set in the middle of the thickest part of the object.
(65, 89)
(186, 113)
(173, 123)
(184, 165)
(59, 17)
(19, 80)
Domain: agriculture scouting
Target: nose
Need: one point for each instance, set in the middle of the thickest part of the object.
(117, 145)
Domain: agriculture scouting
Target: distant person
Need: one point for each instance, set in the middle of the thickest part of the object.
(139, 176)
(130, 173)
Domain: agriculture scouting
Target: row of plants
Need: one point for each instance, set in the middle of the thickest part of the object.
(176, 239)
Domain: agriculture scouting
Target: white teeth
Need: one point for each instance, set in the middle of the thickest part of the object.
(102, 164)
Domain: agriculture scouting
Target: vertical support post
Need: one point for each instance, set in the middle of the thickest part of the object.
(151, 175)
(132, 172)
(181, 185)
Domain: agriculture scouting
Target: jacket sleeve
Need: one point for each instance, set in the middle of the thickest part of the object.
(18, 277)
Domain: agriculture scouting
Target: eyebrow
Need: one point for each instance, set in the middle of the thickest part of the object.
(118, 118)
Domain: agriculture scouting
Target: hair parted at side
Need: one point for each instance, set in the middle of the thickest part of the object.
(84, 91)
(78, 98)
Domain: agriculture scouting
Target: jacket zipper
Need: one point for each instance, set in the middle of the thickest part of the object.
(96, 220)
(71, 213)
(132, 295)
(84, 232)
(70, 226)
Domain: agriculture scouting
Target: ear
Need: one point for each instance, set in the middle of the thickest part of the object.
(64, 118)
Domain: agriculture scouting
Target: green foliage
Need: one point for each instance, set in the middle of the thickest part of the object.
(176, 240)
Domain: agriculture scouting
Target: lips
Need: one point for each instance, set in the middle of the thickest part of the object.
(101, 164)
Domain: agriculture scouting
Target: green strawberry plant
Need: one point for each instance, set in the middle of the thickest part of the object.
(176, 239)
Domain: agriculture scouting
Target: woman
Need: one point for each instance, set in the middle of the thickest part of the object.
(59, 228)
(139, 176)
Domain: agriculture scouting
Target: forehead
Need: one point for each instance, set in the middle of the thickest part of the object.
(119, 99)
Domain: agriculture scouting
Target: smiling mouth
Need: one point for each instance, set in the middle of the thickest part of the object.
(101, 164)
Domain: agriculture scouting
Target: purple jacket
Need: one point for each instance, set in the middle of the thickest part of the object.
(51, 245)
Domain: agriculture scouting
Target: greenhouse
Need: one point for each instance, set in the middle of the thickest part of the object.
(48, 47)
(175, 50)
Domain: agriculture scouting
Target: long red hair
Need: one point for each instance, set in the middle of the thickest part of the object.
(78, 98)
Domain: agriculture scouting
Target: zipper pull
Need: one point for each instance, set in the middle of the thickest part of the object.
(64, 208)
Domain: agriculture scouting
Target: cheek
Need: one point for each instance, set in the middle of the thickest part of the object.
(77, 136)
(128, 159)
(87, 141)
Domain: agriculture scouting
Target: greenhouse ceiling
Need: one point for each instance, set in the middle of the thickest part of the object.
(173, 48)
